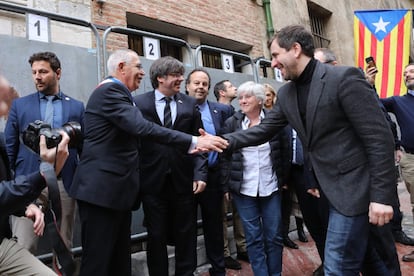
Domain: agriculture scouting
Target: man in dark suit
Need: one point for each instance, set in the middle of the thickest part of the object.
(213, 115)
(106, 183)
(348, 145)
(169, 177)
(46, 73)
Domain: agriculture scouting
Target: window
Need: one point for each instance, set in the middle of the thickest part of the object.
(212, 59)
(167, 48)
(319, 18)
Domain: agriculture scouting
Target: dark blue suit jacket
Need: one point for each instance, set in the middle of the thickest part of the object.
(26, 110)
(108, 172)
(219, 113)
(158, 158)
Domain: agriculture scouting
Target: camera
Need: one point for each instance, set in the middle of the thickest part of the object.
(31, 135)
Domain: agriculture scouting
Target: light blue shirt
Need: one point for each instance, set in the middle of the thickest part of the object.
(57, 109)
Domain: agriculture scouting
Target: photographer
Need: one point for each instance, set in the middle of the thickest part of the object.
(15, 195)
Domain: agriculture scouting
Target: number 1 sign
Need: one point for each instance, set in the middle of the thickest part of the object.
(37, 27)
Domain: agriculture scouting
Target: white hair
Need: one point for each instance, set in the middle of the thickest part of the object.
(253, 89)
(117, 57)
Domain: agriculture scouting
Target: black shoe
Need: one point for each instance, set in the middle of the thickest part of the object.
(242, 256)
(401, 237)
(302, 236)
(289, 243)
(319, 271)
(231, 263)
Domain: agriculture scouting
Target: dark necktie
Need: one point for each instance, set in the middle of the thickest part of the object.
(167, 113)
(49, 110)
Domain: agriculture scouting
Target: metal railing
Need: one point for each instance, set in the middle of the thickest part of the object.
(123, 30)
(61, 18)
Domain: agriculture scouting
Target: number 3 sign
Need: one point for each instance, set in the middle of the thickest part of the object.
(37, 27)
(151, 48)
(227, 63)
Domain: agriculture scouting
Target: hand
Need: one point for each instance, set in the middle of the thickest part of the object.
(34, 213)
(398, 155)
(370, 73)
(227, 197)
(198, 186)
(285, 187)
(49, 155)
(380, 214)
(314, 192)
(207, 142)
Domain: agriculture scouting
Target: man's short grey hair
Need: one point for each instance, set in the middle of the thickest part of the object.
(328, 55)
(253, 89)
(117, 57)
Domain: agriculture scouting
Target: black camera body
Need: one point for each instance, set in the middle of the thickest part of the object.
(31, 135)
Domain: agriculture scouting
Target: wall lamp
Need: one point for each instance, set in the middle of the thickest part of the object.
(100, 4)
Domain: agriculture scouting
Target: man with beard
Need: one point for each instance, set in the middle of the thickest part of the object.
(403, 109)
(55, 108)
(347, 144)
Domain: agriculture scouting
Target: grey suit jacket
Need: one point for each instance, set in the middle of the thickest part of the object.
(347, 142)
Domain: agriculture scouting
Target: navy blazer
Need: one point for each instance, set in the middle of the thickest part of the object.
(26, 110)
(348, 143)
(108, 172)
(158, 159)
(219, 113)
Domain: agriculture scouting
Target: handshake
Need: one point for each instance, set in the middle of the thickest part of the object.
(207, 142)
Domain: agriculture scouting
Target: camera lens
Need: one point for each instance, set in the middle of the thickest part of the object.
(74, 131)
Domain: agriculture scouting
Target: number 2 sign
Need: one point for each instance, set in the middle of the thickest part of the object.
(151, 48)
(37, 27)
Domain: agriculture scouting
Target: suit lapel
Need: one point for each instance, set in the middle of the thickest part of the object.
(65, 108)
(315, 93)
(152, 109)
(292, 105)
(215, 115)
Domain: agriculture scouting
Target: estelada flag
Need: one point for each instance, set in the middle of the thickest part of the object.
(384, 35)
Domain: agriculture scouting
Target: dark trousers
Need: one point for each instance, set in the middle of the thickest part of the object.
(169, 214)
(315, 211)
(106, 246)
(211, 201)
(382, 242)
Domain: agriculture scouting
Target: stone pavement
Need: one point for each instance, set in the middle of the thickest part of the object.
(305, 260)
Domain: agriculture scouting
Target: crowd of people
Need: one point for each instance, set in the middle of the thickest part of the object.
(325, 136)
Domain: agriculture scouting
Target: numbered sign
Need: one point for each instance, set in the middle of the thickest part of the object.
(227, 63)
(278, 75)
(151, 48)
(37, 27)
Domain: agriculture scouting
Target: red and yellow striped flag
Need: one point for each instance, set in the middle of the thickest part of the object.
(384, 35)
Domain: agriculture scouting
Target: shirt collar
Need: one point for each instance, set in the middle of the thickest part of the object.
(160, 97)
(203, 106)
(246, 120)
(57, 96)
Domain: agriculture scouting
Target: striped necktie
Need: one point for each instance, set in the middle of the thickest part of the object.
(167, 113)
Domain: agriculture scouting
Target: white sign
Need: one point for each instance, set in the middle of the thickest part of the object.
(227, 63)
(151, 48)
(278, 75)
(37, 27)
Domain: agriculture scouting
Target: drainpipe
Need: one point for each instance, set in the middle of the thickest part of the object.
(269, 23)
